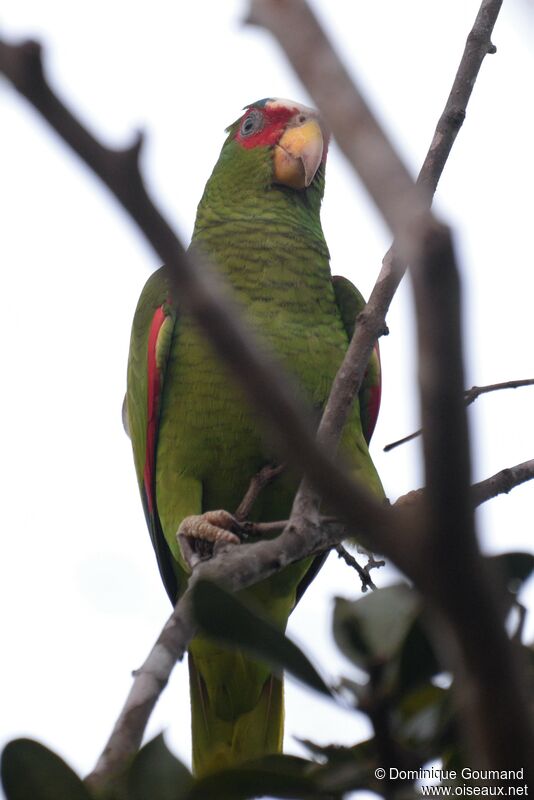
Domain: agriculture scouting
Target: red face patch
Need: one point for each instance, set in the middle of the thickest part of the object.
(263, 127)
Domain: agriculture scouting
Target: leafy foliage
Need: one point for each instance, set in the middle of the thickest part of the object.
(158, 774)
(404, 691)
(31, 770)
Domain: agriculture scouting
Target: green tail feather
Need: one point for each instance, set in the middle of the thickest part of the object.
(231, 727)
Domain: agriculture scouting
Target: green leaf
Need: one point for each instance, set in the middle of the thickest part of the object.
(371, 630)
(30, 771)
(157, 774)
(223, 617)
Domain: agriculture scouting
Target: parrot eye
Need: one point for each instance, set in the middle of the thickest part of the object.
(252, 123)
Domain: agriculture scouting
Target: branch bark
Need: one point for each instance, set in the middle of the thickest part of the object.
(235, 567)
(262, 479)
(489, 699)
(372, 156)
(502, 482)
(372, 320)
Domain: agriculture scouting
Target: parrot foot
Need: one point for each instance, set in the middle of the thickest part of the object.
(199, 534)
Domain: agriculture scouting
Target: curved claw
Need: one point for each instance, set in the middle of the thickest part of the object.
(200, 533)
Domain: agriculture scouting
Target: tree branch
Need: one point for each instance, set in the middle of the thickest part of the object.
(235, 567)
(474, 392)
(502, 482)
(491, 695)
(471, 395)
(262, 479)
(498, 735)
(363, 572)
(284, 19)
(348, 115)
(372, 320)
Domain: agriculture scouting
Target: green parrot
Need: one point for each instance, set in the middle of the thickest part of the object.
(196, 441)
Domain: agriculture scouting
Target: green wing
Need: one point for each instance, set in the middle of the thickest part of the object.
(350, 303)
(151, 340)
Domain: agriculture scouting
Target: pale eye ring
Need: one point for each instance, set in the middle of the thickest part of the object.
(252, 123)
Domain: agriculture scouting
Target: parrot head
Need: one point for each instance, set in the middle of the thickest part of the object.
(274, 156)
(293, 134)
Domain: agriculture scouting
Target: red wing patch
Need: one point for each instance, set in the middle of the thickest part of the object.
(154, 384)
(374, 395)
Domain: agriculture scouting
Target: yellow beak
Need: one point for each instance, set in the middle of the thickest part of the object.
(298, 154)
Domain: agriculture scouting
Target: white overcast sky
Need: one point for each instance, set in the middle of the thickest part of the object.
(81, 596)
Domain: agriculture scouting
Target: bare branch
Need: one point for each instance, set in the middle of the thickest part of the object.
(474, 392)
(347, 113)
(372, 321)
(235, 567)
(363, 572)
(405, 439)
(502, 482)
(491, 701)
(277, 17)
(262, 479)
(489, 694)
(471, 395)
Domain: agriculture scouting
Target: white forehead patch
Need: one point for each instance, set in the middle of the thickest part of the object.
(281, 102)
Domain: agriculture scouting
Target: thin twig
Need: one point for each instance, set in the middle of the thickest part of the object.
(405, 439)
(363, 572)
(263, 478)
(475, 391)
(470, 396)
